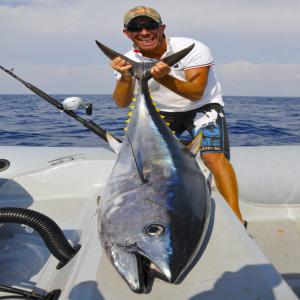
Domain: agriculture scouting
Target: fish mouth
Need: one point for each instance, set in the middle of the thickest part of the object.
(146, 275)
(138, 269)
(148, 271)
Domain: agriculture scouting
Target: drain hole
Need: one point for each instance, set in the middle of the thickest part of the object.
(4, 164)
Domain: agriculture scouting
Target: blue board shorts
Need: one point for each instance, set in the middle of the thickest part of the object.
(210, 119)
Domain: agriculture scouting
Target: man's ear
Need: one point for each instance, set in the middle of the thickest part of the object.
(125, 32)
(162, 27)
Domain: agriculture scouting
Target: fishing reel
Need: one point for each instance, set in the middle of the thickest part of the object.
(73, 103)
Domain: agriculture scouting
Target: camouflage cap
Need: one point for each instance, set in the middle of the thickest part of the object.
(140, 11)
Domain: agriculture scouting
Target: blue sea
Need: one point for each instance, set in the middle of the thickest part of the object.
(252, 121)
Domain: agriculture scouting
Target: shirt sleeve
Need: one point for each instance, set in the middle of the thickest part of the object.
(116, 75)
(200, 56)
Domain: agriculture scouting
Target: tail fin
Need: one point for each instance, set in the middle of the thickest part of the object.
(172, 59)
(140, 70)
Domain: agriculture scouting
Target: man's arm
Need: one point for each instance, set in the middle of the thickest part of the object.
(192, 89)
(123, 92)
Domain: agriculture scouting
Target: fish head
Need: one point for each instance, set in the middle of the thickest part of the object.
(140, 261)
(147, 241)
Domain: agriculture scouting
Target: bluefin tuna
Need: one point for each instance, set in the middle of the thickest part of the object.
(155, 208)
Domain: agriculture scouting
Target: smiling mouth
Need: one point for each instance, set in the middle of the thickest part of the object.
(146, 41)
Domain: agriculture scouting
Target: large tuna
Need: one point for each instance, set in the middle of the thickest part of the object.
(154, 211)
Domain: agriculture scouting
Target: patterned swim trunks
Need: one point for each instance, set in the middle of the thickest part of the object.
(210, 119)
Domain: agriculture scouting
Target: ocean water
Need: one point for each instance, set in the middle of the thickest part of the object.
(31, 121)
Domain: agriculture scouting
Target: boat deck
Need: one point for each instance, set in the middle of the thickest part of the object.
(232, 265)
(279, 239)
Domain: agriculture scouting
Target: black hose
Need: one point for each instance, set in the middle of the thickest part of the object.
(18, 293)
(49, 231)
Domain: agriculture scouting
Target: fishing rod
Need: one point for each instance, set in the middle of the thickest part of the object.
(98, 130)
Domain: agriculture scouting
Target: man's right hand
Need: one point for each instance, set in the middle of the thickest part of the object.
(121, 66)
(123, 92)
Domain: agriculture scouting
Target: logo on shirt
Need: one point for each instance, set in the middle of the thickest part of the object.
(178, 67)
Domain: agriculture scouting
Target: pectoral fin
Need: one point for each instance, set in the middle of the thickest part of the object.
(138, 162)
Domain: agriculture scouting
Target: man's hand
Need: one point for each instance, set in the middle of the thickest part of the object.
(123, 92)
(121, 66)
(160, 70)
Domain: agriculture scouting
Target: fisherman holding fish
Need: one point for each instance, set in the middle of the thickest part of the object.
(188, 94)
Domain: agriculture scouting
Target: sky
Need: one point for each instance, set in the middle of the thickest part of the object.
(51, 43)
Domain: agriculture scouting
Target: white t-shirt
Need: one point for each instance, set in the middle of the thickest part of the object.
(200, 56)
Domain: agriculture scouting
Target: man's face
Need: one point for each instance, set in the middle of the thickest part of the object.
(145, 33)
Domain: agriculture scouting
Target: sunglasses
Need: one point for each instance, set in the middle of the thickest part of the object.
(138, 27)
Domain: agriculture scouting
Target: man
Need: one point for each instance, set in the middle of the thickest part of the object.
(188, 94)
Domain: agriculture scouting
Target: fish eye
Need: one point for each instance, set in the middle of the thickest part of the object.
(155, 230)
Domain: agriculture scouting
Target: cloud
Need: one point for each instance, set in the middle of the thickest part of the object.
(14, 3)
(264, 79)
(241, 78)
(51, 35)
(90, 79)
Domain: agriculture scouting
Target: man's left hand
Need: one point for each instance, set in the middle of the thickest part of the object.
(160, 70)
